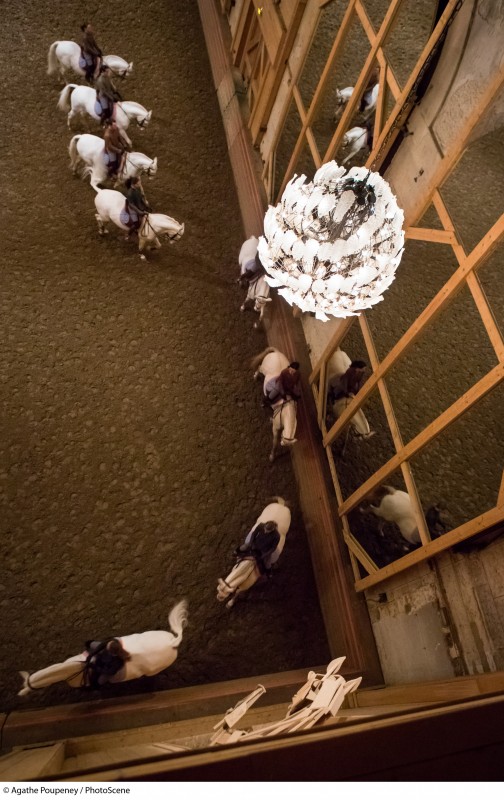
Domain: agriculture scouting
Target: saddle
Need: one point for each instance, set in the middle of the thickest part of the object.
(262, 544)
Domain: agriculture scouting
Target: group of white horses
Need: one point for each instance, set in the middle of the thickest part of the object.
(360, 137)
(88, 151)
(150, 652)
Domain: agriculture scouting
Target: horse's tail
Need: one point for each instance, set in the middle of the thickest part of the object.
(52, 61)
(72, 150)
(178, 621)
(64, 98)
(26, 686)
(279, 500)
(258, 359)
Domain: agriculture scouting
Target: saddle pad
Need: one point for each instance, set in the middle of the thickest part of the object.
(124, 216)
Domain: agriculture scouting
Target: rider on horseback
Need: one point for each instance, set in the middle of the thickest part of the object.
(106, 93)
(115, 148)
(284, 386)
(91, 53)
(261, 543)
(136, 204)
(349, 383)
(251, 271)
(104, 660)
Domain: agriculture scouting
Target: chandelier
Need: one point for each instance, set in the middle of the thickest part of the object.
(332, 246)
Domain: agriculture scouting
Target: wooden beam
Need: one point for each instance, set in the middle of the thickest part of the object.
(355, 566)
(326, 72)
(431, 235)
(437, 304)
(365, 22)
(360, 554)
(390, 132)
(395, 433)
(442, 212)
(320, 391)
(312, 144)
(362, 80)
(299, 103)
(391, 78)
(475, 393)
(340, 37)
(500, 498)
(460, 534)
(487, 316)
(380, 101)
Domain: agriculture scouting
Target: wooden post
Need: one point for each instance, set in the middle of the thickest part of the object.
(457, 535)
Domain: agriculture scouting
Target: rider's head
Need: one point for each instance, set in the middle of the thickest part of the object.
(294, 365)
(86, 27)
(270, 526)
(360, 365)
(133, 181)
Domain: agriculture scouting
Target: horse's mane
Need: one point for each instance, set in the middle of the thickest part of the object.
(158, 218)
(112, 55)
(133, 106)
(135, 155)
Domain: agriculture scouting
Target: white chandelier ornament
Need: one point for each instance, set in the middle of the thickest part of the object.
(332, 246)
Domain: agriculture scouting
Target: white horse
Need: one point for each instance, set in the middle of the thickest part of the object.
(67, 55)
(149, 652)
(246, 573)
(82, 100)
(91, 150)
(342, 96)
(358, 139)
(270, 363)
(252, 276)
(110, 207)
(257, 297)
(394, 505)
(369, 100)
(247, 255)
(336, 367)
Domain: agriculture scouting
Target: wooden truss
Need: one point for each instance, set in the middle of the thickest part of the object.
(386, 130)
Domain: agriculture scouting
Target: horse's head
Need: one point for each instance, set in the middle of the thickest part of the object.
(144, 121)
(285, 421)
(174, 237)
(243, 575)
(260, 302)
(152, 168)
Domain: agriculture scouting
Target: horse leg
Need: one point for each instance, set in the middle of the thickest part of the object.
(276, 434)
(260, 322)
(101, 225)
(141, 244)
(71, 115)
(94, 179)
